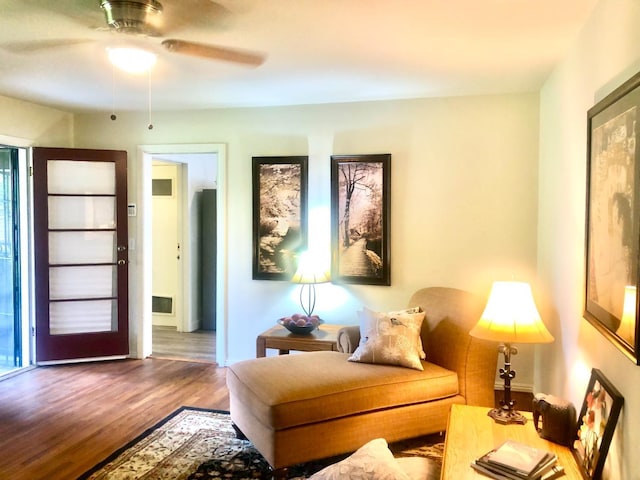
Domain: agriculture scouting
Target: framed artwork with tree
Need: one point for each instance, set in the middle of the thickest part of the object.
(279, 215)
(360, 210)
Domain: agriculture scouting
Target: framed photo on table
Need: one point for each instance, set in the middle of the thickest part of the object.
(360, 219)
(596, 424)
(613, 214)
(279, 215)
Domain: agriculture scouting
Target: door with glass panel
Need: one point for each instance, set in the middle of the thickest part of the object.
(81, 257)
(10, 319)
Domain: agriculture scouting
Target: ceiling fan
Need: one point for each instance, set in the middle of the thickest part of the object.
(146, 18)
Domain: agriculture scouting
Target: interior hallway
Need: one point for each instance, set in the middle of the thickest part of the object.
(194, 346)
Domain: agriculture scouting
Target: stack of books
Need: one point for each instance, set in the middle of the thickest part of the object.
(517, 461)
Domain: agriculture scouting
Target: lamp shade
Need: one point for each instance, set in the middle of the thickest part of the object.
(511, 316)
(310, 270)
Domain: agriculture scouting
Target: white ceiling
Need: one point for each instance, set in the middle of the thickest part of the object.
(317, 51)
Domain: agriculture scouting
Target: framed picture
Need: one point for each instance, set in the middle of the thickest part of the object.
(279, 215)
(596, 424)
(613, 213)
(360, 209)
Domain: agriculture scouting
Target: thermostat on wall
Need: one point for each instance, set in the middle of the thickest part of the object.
(131, 209)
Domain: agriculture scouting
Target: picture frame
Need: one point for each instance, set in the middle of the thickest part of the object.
(612, 213)
(596, 425)
(279, 215)
(360, 219)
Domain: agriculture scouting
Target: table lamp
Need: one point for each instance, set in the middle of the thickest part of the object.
(510, 316)
(309, 272)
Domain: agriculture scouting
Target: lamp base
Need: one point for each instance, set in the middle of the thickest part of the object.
(506, 413)
(507, 416)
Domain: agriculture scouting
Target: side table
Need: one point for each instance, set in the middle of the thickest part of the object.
(323, 338)
(471, 434)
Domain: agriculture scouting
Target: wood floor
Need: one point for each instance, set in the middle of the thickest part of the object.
(57, 422)
(198, 346)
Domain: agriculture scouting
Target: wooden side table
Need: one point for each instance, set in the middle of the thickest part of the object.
(471, 434)
(323, 338)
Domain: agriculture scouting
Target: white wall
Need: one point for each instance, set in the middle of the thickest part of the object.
(25, 124)
(464, 195)
(606, 54)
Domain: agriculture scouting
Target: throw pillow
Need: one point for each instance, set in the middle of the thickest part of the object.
(423, 355)
(372, 461)
(390, 339)
(411, 310)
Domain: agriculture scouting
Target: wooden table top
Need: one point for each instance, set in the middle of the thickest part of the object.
(471, 434)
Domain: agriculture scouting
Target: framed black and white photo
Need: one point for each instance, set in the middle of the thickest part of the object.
(279, 215)
(613, 211)
(360, 211)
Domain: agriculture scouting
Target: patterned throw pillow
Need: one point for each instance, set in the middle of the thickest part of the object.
(423, 355)
(391, 338)
(372, 461)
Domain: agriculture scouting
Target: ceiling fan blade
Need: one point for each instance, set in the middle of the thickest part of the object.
(213, 52)
(35, 46)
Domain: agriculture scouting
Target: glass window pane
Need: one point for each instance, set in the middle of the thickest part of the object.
(82, 317)
(82, 247)
(82, 212)
(7, 310)
(82, 282)
(78, 177)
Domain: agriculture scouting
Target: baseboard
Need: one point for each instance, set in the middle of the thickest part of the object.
(515, 387)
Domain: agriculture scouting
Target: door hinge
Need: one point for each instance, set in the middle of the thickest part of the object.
(31, 170)
(33, 331)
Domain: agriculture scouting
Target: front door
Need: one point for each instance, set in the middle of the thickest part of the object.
(10, 293)
(81, 256)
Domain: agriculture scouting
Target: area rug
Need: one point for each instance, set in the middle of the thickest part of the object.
(200, 444)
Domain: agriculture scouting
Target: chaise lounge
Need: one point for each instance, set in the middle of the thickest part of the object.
(298, 408)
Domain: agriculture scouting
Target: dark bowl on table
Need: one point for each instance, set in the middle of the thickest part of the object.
(298, 327)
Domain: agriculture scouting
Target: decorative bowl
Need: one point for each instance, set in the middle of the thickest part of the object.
(300, 324)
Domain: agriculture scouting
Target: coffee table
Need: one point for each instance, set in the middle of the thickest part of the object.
(323, 338)
(471, 434)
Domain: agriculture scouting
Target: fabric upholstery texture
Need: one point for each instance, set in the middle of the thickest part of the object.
(321, 385)
(283, 402)
(372, 461)
(411, 310)
(391, 338)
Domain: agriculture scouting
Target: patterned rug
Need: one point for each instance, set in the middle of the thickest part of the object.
(199, 444)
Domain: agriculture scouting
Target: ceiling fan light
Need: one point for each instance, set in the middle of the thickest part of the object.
(131, 60)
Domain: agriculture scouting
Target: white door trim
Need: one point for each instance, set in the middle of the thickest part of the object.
(143, 226)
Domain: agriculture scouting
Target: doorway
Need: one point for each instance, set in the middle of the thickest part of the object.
(10, 318)
(16, 319)
(193, 160)
(177, 182)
